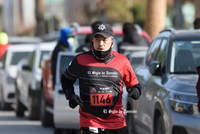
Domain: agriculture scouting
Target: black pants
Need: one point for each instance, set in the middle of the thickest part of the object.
(124, 130)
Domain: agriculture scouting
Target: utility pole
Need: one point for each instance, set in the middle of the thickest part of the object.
(197, 9)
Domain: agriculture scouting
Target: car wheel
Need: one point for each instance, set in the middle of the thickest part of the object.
(58, 131)
(46, 117)
(19, 109)
(3, 105)
(160, 126)
(33, 113)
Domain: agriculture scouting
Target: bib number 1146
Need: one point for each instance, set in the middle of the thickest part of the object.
(104, 99)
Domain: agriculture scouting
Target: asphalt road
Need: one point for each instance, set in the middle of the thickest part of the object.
(10, 124)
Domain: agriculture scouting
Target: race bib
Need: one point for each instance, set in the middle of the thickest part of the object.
(101, 96)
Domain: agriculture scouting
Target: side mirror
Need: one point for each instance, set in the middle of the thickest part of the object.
(26, 67)
(1, 65)
(155, 68)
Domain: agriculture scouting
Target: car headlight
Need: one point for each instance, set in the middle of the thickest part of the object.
(183, 103)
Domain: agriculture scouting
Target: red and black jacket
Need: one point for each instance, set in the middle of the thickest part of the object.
(101, 88)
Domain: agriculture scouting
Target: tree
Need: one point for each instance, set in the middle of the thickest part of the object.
(178, 14)
(155, 16)
(39, 11)
(118, 11)
(197, 9)
(139, 13)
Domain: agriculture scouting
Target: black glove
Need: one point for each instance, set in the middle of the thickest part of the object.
(133, 93)
(75, 100)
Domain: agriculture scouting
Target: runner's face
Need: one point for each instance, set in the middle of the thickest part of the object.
(101, 43)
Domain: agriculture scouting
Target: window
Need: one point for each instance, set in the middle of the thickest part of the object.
(152, 52)
(17, 56)
(162, 54)
(185, 56)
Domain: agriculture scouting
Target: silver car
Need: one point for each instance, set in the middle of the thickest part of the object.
(28, 81)
(8, 72)
(64, 116)
(136, 57)
(168, 77)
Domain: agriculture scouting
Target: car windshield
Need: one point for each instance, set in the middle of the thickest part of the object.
(185, 56)
(65, 60)
(16, 56)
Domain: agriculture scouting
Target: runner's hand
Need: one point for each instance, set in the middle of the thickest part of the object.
(134, 93)
(75, 100)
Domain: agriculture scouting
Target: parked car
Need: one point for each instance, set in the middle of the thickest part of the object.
(64, 117)
(135, 58)
(47, 92)
(54, 107)
(28, 81)
(13, 40)
(132, 49)
(167, 75)
(8, 72)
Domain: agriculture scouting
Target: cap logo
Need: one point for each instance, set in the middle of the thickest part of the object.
(102, 27)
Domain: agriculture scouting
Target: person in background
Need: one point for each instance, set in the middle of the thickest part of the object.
(3, 43)
(88, 46)
(101, 73)
(131, 38)
(65, 43)
(197, 23)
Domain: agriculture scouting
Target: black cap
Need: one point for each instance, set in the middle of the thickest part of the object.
(103, 29)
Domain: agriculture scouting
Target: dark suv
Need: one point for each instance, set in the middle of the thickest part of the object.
(168, 77)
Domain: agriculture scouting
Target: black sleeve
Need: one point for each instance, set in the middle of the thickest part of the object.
(69, 77)
(67, 86)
